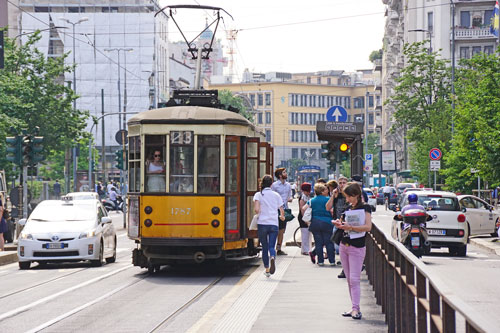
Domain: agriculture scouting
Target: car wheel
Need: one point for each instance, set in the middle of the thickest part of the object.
(462, 251)
(98, 262)
(112, 259)
(24, 264)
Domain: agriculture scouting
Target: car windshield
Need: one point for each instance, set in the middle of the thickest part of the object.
(63, 212)
(437, 202)
(368, 192)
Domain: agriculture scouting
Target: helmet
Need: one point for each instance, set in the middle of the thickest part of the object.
(412, 198)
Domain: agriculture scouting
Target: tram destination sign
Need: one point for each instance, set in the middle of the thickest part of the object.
(328, 129)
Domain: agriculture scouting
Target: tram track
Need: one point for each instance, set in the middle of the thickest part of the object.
(28, 288)
(186, 305)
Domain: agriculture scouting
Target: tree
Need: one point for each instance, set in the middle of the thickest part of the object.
(377, 54)
(227, 98)
(476, 140)
(422, 101)
(32, 93)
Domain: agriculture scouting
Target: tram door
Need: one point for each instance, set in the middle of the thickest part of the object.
(253, 177)
(234, 172)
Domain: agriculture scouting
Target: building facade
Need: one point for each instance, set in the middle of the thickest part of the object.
(409, 21)
(287, 113)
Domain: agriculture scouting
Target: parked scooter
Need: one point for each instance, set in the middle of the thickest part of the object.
(110, 205)
(414, 234)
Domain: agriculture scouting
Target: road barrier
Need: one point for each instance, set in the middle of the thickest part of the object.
(412, 297)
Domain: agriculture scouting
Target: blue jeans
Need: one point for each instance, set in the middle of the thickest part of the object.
(267, 238)
(322, 235)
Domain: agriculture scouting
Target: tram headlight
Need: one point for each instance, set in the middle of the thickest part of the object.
(215, 210)
(148, 223)
(148, 209)
(215, 223)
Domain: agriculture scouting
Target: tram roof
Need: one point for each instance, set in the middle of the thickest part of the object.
(189, 115)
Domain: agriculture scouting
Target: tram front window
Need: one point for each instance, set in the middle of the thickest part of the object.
(155, 163)
(181, 162)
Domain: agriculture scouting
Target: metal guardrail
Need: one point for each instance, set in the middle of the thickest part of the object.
(413, 299)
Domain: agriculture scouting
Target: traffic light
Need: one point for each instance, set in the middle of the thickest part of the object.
(344, 151)
(14, 149)
(36, 150)
(26, 150)
(329, 151)
(119, 159)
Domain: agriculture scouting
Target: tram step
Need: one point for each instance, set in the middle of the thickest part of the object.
(241, 258)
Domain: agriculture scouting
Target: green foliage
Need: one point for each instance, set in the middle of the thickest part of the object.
(32, 93)
(377, 54)
(476, 141)
(422, 105)
(227, 98)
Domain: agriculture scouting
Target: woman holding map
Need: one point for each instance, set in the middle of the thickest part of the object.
(355, 222)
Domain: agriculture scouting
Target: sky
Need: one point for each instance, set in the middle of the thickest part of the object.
(292, 36)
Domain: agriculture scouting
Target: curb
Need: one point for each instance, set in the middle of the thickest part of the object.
(487, 245)
(8, 258)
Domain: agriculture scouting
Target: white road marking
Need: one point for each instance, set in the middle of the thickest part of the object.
(80, 308)
(62, 292)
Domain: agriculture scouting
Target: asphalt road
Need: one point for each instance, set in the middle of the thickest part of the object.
(116, 297)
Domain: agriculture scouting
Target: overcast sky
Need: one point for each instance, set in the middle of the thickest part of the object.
(293, 35)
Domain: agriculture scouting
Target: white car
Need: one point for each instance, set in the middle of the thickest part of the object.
(83, 195)
(372, 199)
(482, 218)
(67, 230)
(449, 226)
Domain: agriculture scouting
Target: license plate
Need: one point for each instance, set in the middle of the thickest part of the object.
(54, 246)
(436, 232)
(415, 241)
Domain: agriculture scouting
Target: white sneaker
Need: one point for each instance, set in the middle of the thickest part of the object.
(267, 274)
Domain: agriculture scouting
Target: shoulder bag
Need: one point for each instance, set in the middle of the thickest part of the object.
(337, 236)
(307, 216)
(254, 223)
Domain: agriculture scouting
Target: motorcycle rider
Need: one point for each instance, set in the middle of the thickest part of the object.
(416, 211)
(113, 196)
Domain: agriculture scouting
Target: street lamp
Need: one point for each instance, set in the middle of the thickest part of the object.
(118, 49)
(430, 36)
(75, 159)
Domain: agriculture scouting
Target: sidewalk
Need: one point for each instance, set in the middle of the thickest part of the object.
(9, 255)
(299, 297)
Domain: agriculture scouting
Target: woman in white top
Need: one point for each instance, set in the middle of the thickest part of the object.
(156, 173)
(267, 204)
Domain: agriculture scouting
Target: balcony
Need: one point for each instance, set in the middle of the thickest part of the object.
(473, 33)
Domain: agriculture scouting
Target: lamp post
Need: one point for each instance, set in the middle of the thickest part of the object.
(430, 36)
(118, 49)
(75, 159)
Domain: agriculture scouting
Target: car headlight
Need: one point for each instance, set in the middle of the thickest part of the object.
(87, 234)
(26, 236)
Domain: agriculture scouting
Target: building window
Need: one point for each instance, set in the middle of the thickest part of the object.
(464, 53)
(252, 99)
(465, 19)
(477, 22)
(303, 152)
(259, 118)
(268, 135)
(260, 99)
(295, 152)
(268, 117)
(430, 22)
(40, 9)
(370, 119)
(370, 101)
(476, 50)
(488, 49)
(308, 79)
(268, 99)
(318, 80)
(329, 81)
(359, 102)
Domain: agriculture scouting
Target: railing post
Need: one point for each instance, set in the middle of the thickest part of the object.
(421, 298)
(435, 311)
(410, 297)
(448, 318)
(397, 289)
(390, 289)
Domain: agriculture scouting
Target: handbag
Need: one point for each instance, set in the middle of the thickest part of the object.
(336, 237)
(288, 215)
(307, 215)
(254, 223)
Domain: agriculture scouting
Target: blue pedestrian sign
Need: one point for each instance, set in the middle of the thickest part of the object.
(435, 154)
(368, 157)
(336, 113)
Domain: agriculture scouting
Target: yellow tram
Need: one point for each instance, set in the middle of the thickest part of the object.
(193, 171)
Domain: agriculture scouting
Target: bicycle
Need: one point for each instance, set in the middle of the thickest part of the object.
(297, 236)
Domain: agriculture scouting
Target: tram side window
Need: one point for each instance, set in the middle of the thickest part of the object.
(155, 163)
(134, 149)
(181, 162)
(208, 164)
